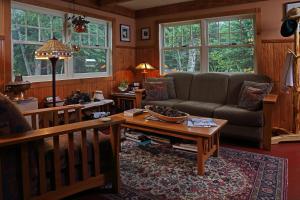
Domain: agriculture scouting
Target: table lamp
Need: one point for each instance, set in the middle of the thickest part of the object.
(145, 67)
(53, 50)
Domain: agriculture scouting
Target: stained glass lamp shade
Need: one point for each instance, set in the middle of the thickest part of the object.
(145, 67)
(53, 50)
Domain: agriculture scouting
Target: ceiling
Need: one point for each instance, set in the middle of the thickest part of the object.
(144, 4)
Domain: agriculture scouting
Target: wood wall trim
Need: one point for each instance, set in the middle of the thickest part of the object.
(187, 6)
(211, 15)
(65, 9)
(125, 47)
(2, 37)
(278, 41)
(119, 10)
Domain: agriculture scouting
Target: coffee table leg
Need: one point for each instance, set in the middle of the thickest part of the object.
(217, 143)
(200, 157)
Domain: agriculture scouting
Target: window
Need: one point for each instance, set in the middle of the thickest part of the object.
(214, 45)
(32, 26)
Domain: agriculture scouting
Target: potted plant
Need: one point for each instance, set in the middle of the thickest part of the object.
(123, 86)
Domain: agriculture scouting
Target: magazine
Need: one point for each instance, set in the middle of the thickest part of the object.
(201, 122)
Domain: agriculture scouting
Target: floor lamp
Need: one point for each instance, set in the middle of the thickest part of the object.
(53, 50)
(289, 27)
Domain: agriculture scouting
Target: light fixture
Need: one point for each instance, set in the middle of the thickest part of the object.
(145, 67)
(53, 50)
(79, 22)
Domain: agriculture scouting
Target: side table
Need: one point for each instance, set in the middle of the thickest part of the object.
(124, 100)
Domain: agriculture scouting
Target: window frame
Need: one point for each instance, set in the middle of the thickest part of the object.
(66, 34)
(204, 46)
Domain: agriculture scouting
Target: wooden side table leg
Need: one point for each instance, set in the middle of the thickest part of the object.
(217, 143)
(200, 157)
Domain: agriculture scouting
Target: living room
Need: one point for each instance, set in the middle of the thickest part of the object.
(229, 65)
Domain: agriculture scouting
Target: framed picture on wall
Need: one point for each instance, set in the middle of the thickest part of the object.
(289, 6)
(124, 33)
(145, 33)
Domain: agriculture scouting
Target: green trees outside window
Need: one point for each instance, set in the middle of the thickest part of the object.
(31, 27)
(227, 45)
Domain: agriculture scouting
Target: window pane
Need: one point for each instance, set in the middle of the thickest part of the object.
(89, 60)
(18, 17)
(181, 60)
(32, 18)
(25, 64)
(45, 21)
(18, 32)
(231, 59)
(45, 34)
(32, 34)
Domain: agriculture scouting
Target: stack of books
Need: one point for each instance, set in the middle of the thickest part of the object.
(133, 112)
(186, 147)
(201, 122)
(157, 140)
(138, 137)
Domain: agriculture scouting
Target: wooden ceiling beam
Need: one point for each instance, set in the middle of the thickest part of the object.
(189, 6)
(110, 2)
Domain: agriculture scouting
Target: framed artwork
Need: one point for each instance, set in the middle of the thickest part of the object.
(124, 33)
(289, 6)
(145, 33)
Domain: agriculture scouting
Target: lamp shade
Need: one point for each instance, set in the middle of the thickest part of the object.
(53, 49)
(144, 67)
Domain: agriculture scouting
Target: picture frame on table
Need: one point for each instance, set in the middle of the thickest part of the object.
(145, 33)
(289, 6)
(124, 33)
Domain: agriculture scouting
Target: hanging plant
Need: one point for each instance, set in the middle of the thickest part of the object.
(79, 23)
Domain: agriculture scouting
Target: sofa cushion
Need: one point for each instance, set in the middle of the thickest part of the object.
(209, 87)
(182, 81)
(239, 116)
(197, 108)
(156, 91)
(170, 85)
(168, 103)
(236, 81)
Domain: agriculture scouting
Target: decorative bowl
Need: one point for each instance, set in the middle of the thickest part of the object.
(166, 118)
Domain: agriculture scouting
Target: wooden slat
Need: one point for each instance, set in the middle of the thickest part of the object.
(49, 110)
(45, 119)
(42, 168)
(78, 115)
(59, 130)
(115, 142)
(66, 117)
(96, 152)
(71, 158)
(25, 171)
(1, 189)
(55, 118)
(57, 165)
(33, 121)
(84, 155)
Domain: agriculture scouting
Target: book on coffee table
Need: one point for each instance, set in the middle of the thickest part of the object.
(201, 122)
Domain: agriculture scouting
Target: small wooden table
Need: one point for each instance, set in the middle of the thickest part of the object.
(124, 100)
(207, 139)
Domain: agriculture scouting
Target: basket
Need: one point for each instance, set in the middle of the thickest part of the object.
(166, 118)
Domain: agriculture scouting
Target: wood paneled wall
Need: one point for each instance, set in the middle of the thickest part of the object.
(271, 63)
(123, 60)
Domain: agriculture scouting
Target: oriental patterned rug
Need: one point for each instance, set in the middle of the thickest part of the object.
(163, 173)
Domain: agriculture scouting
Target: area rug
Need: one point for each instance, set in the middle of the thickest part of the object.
(160, 172)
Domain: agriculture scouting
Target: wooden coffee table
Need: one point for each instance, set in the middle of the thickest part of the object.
(207, 139)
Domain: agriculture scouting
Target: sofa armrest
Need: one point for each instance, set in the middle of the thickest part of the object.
(139, 97)
(269, 102)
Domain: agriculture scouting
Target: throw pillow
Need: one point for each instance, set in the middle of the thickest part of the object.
(12, 120)
(170, 85)
(156, 91)
(252, 94)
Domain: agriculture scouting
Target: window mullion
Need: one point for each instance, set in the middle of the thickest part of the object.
(204, 46)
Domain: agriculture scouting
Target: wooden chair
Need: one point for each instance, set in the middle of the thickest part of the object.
(91, 176)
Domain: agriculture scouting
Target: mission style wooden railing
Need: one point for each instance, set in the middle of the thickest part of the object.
(46, 117)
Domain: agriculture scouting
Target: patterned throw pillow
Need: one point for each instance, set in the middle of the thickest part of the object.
(170, 85)
(156, 91)
(252, 94)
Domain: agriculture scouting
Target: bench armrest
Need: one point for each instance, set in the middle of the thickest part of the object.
(269, 102)
(139, 97)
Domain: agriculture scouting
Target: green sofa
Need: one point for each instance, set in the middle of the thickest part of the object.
(216, 95)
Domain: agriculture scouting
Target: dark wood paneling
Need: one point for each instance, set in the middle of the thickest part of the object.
(188, 6)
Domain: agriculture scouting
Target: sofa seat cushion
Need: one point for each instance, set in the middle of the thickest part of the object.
(239, 116)
(197, 108)
(168, 103)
